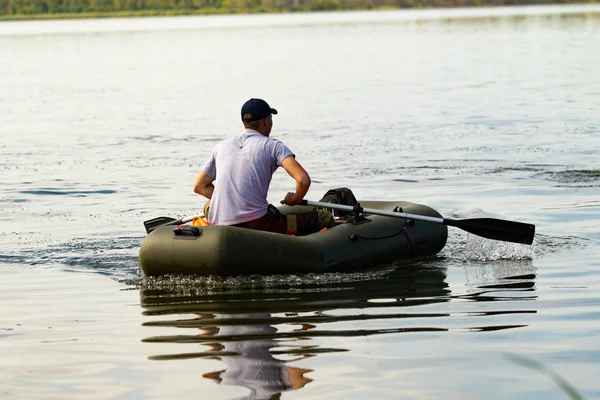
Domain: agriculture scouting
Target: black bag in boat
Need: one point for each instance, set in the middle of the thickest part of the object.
(343, 196)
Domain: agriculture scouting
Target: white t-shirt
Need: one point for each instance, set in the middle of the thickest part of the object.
(243, 167)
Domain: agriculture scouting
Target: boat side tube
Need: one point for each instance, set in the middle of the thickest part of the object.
(226, 250)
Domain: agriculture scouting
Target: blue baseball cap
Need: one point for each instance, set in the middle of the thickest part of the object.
(256, 109)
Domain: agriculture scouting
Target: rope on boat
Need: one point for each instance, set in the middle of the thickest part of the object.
(411, 244)
(412, 247)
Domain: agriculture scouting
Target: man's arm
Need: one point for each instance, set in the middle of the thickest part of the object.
(301, 177)
(204, 185)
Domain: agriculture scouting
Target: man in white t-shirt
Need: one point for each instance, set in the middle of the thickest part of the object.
(237, 176)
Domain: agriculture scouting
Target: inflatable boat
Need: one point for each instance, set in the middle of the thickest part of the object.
(363, 241)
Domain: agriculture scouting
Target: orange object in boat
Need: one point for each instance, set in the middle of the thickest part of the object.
(199, 221)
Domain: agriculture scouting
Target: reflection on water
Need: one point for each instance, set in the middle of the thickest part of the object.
(261, 328)
(250, 352)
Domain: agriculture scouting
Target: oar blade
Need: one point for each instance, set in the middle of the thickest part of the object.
(154, 223)
(497, 229)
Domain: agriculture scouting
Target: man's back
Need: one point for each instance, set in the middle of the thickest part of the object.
(243, 167)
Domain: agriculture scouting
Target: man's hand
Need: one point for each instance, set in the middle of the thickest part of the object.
(289, 199)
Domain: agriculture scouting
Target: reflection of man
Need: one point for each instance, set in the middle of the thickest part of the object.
(253, 366)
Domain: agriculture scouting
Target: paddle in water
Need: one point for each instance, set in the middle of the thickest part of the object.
(490, 228)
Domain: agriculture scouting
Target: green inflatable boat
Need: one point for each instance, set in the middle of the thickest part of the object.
(364, 241)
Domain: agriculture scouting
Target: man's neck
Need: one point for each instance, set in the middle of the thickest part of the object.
(250, 130)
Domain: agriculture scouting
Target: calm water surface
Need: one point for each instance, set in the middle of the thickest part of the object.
(105, 123)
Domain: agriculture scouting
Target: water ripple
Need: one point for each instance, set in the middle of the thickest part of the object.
(76, 193)
(572, 178)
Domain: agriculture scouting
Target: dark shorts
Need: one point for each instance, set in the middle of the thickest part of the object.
(298, 224)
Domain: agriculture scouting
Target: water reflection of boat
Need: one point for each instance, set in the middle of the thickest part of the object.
(258, 326)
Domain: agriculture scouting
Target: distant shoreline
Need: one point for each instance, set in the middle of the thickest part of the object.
(296, 6)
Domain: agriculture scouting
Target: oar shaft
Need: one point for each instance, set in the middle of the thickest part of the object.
(187, 219)
(395, 214)
(491, 228)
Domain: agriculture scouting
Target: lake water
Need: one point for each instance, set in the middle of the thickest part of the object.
(105, 124)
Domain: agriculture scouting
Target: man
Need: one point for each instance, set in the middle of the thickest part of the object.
(243, 167)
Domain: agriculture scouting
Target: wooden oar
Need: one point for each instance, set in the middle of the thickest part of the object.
(157, 222)
(491, 228)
